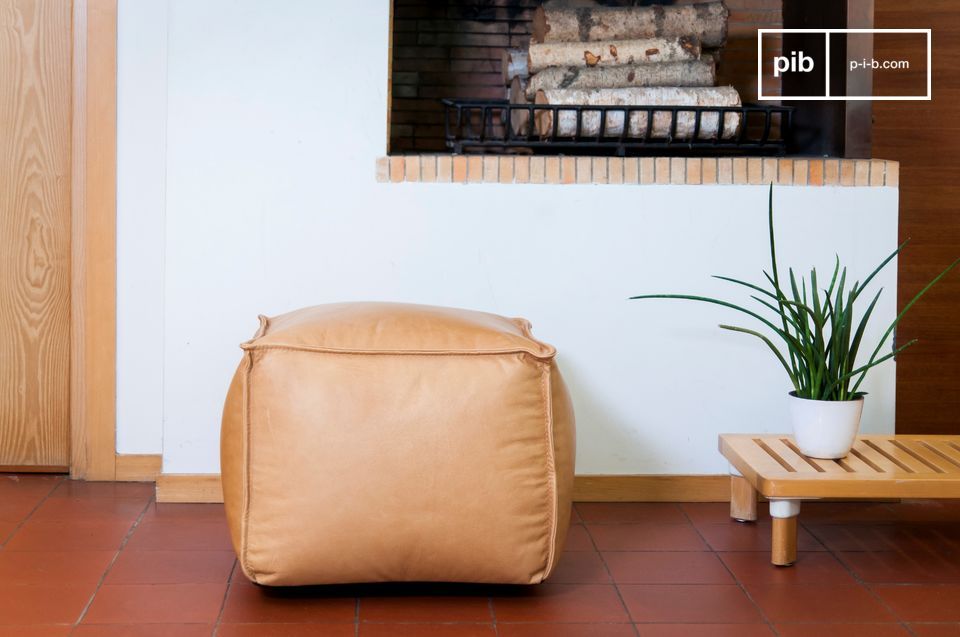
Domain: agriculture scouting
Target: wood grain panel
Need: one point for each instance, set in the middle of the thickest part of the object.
(924, 137)
(35, 116)
(94, 228)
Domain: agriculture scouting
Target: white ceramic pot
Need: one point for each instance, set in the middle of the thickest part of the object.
(825, 428)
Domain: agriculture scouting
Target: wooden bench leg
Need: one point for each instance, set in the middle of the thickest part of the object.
(743, 498)
(784, 514)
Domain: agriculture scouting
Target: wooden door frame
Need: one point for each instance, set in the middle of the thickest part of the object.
(93, 259)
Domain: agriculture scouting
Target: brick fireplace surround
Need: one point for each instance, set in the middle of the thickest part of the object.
(633, 170)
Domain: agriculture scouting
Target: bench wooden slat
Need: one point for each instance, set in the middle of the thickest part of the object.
(854, 465)
(885, 445)
(923, 452)
(869, 455)
(752, 454)
(947, 448)
(799, 462)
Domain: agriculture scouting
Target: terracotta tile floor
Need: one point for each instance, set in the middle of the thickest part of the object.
(104, 560)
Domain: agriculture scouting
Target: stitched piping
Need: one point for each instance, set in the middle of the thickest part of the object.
(554, 504)
(542, 356)
(245, 506)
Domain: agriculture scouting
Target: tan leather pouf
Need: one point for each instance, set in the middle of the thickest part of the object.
(371, 442)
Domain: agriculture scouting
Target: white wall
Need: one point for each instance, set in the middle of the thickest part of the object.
(270, 204)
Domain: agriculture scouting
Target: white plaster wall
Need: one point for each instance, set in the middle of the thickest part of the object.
(141, 193)
(271, 204)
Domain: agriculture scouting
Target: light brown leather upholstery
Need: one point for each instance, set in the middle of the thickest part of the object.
(367, 442)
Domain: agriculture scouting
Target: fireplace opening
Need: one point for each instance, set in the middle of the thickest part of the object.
(459, 80)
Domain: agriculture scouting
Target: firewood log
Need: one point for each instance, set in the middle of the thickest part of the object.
(706, 21)
(612, 52)
(693, 73)
(520, 118)
(647, 96)
(514, 64)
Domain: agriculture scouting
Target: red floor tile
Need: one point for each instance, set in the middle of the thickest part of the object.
(754, 567)
(250, 604)
(36, 631)
(818, 603)
(578, 539)
(820, 513)
(842, 630)
(45, 604)
(99, 490)
(143, 630)
(171, 567)
(15, 508)
(689, 603)
(13, 484)
(286, 630)
(433, 608)
(646, 537)
(171, 534)
(565, 630)
(922, 603)
(70, 535)
(184, 511)
(89, 509)
(54, 567)
(6, 530)
(903, 568)
(701, 513)
(910, 537)
(561, 603)
(580, 567)
(927, 511)
(655, 567)
(645, 512)
(936, 630)
(426, 630)
(156, 604)
(704, 630)
(750, 537)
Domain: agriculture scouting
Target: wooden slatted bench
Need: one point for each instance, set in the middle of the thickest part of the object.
(877, 467)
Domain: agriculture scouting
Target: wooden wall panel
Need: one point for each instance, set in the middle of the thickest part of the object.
(35, 115)
(94, 227)
(925, 138)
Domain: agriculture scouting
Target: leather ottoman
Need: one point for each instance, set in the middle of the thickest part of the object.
(372, 442)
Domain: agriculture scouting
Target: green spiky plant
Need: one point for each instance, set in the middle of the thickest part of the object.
(821, 337)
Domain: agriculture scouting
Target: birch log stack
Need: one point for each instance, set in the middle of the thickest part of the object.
(710, 125)
(514, 64)
(693, 73)
(705, 21)
(611, 52)
(519, 118)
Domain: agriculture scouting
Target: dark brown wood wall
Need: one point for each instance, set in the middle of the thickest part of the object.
(925, 138)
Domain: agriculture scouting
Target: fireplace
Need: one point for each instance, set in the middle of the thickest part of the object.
(449, 91)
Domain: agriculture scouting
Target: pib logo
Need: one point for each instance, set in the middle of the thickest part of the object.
(797, 62)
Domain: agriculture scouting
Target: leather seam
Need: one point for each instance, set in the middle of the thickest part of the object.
(553, 504)
(250, 346)
(245, 517)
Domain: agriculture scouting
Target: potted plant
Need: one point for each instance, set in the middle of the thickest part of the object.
(822, 340)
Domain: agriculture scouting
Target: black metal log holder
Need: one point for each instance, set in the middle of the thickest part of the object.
(484, 125)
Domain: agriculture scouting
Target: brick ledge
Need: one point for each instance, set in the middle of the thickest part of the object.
(504, 169)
